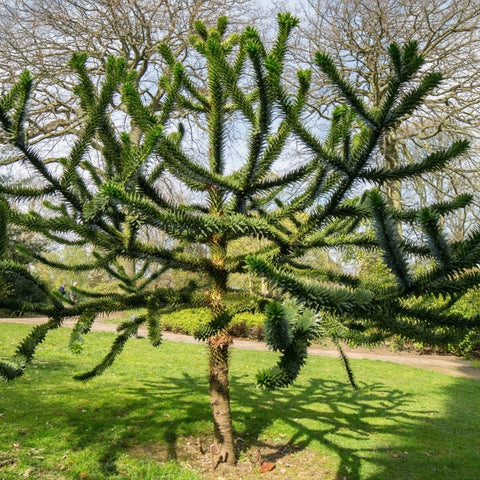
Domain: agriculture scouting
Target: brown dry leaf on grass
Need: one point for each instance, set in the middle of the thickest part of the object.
(267, 467)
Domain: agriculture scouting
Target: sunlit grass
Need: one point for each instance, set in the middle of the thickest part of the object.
(147, 410)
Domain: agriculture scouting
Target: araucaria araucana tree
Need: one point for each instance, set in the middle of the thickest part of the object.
(111, 204)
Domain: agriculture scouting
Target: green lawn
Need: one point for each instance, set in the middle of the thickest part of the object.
(152, 405)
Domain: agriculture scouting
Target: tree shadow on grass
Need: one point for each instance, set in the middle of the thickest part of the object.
(373, 431)
(154, 417)
(329, 413)
(376, 432)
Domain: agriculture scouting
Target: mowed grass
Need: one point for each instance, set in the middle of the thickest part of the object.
(142, 418)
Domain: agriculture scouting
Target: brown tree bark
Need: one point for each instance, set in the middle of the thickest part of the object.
(219, 390)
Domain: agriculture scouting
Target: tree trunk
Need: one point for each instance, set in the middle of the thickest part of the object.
(219, 390)
(218, 345)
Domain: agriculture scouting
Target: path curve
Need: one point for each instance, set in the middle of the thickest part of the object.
(446, 364)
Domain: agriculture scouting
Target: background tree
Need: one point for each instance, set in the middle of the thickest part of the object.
(41, 36)
(357, 33)
(239, 193)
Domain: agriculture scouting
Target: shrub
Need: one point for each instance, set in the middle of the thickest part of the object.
(186, 321)
(249, 325)
(469, 347)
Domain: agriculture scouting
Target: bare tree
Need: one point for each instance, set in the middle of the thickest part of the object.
(357, 34)
(42, 35)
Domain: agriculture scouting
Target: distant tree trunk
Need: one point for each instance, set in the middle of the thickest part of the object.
(130, 266)
(264, 290)
(393, 188)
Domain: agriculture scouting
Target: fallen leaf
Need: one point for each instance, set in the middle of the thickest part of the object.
(27, 472)
(266, 467)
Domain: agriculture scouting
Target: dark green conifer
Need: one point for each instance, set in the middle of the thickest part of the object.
(107, 202)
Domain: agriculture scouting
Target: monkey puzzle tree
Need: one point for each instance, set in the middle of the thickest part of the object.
(110, 203)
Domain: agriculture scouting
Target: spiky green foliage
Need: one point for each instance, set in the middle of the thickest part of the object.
(277, 327)
(127, 330)
(114, 203)
(419, 305)
(48, 305)
(289, 331)
(10, 371)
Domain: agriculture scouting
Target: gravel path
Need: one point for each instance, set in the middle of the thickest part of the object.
(448, 365)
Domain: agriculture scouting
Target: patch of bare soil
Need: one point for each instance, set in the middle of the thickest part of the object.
(272, 462)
